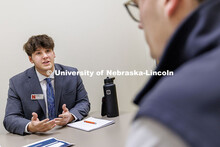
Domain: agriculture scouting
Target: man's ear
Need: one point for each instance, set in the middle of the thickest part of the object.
(171, 7)
(30, 59)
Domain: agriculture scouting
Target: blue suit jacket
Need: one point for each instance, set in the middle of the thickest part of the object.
(69, 90)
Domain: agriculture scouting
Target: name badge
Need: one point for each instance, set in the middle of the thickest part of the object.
(37, 97)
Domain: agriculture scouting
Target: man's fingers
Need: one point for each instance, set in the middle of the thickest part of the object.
(50, 123)
(47, 125)
(61, 121)
(58, 119)
(35, 116)
(64, 115)
(42, 126)
(64, 106)
(65, 109)
(44, 121)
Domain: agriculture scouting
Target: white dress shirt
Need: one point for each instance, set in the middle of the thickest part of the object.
(43, 84)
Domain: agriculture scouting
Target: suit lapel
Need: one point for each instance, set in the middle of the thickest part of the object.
(58, 80)
(35, 87)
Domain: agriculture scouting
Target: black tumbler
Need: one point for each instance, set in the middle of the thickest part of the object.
(109, 101)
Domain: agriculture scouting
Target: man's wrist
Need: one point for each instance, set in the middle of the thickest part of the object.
(30, 128)
(72, 118)
(26, 128)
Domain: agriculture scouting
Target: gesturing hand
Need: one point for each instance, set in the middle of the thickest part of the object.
(65, 117)
(40, 126)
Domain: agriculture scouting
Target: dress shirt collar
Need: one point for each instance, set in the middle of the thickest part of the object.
(42, 77)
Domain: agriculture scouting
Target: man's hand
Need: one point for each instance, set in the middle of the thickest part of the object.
(65, 117)
(40, 126)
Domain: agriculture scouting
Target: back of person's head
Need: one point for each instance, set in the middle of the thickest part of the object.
(38, 41)
(200, 1)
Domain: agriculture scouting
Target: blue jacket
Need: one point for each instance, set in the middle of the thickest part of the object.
(189, 102)
(69, 90)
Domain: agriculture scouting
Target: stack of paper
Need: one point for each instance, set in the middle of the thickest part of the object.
(90, 124)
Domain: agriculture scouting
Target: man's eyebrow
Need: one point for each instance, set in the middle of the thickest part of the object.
(37, 50)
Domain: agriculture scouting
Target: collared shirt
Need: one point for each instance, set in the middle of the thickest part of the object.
(43, 84)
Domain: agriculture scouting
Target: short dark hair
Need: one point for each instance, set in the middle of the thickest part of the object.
(38, 41)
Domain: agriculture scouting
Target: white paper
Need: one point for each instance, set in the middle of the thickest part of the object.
(88, 126)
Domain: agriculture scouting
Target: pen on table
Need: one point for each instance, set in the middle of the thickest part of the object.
(90, 122)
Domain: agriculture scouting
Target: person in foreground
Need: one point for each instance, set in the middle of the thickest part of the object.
(39, 99)
(183, 109)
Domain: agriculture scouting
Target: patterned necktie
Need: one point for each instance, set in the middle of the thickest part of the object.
(50, 99)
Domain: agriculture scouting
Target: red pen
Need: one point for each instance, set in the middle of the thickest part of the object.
(90, 122)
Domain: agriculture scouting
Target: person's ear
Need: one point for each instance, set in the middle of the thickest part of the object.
(30, 59)
(171, 7)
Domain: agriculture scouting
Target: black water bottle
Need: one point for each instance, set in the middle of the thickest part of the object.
(109, 101)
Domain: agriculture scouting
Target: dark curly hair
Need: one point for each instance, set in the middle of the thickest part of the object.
(38, 41)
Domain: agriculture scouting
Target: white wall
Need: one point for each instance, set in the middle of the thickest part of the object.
(90, 35)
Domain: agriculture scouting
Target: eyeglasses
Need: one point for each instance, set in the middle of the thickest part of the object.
(133, 10)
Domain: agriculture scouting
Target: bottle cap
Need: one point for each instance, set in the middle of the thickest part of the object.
(109, 80)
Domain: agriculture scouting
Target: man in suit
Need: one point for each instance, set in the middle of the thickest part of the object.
(183, 109)
(38, 99)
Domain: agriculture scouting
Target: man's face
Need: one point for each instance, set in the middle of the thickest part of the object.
(43, 60)
(160, 18)
(151, 17)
